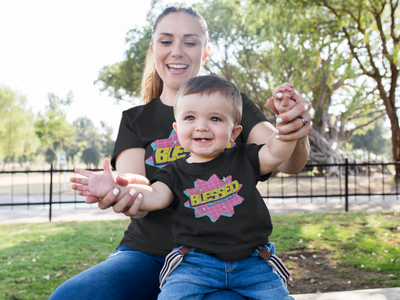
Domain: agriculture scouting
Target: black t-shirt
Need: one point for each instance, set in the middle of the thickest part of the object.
(149, 127)
(217, 208)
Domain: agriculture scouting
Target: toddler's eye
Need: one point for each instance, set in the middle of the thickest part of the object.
(189, 118)
(215, 119)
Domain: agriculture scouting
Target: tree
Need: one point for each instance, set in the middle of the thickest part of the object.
(17, 136)
(52, 127)
(107, 143)
(262, 45)
(372, 140)
(88, 141)
(372, 32)
(122, 80)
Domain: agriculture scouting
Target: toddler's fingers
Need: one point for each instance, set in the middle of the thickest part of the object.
(79, 180)
(83, 172)
(79, 187)
(271, 104)
(91, 199)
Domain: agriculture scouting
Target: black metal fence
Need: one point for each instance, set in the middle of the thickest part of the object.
(47, 188)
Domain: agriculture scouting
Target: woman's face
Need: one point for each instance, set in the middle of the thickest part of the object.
(179, 48)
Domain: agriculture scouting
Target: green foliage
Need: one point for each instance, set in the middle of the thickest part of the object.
(372, 140)
(52, 126)
(90, 143)
(107, 143)
(17, 138)
(124, 78)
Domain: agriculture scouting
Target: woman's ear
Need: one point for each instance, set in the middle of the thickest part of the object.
(151, 48)
(237, 129)
(206, 54)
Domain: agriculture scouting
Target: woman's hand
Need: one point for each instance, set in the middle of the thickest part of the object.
(291, 124)
(129, 203)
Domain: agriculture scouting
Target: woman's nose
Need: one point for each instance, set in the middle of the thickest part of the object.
(177, 51)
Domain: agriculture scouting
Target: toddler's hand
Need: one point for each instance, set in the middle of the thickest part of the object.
(96, 184)
(285, 97)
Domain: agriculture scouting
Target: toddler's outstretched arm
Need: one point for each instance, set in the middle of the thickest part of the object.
(95, 184)
(156, 196)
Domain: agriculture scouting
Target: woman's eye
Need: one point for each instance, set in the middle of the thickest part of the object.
(166, 42)
(191, 44)
(215, 119)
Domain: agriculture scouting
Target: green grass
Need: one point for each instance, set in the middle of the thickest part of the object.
(37, 258)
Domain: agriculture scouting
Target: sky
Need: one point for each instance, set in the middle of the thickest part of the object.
(49, 46)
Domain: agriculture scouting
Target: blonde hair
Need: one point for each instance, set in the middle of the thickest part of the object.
(152, 84)
(210, 84)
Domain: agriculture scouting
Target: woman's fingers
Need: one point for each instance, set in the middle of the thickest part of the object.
(135, 205)
(294, 130)
(300, 109)
(109, 199)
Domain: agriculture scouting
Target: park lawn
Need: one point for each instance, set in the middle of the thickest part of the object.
(361, 248)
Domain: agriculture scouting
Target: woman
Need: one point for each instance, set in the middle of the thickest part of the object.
(177, 52)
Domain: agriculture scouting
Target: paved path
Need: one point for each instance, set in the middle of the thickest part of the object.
(84, 212)
(376, 294)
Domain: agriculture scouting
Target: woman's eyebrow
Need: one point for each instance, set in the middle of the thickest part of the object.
(185, 35)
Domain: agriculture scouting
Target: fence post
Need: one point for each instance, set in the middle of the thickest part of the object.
(346, 185)
(51, 192)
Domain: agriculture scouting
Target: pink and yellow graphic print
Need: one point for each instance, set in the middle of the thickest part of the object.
(214, 198)
(168, 150)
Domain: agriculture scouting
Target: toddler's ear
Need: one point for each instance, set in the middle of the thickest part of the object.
(175, 127)
(237, 129)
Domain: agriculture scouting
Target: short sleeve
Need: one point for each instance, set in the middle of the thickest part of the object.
(168, 176)
(252, 151)
(251, 116)
(127, 136)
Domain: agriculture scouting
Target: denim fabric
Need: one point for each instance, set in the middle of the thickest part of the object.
(200, 273)
(126, 274)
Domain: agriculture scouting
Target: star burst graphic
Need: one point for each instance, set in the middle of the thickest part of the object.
(170, 143)
(221, 206)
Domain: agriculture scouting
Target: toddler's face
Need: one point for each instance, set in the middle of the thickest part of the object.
(205, 125)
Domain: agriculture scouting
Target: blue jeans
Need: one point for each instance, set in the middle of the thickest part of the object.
(126, 274)
(200, 273)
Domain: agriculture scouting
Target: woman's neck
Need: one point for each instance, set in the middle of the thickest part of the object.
(168, 96)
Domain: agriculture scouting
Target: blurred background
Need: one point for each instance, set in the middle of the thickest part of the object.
(69, 69)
